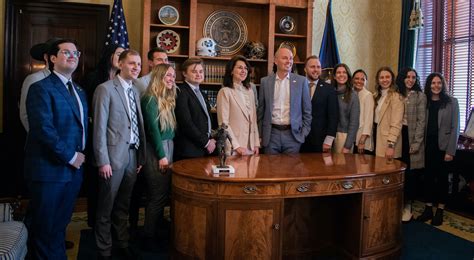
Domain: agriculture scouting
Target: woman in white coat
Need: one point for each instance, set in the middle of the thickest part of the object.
(236, 108)
(366, 118)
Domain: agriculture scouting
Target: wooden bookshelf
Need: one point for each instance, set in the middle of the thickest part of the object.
(261, 17)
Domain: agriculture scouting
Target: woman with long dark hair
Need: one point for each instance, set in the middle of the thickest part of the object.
(105, 70)
(413, 133)
(366, 118)
(442, 132)
(349, 109)
(236, 108)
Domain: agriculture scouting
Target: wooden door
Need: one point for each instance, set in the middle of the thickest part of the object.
(249, 229)
(29, 23)
(382, 221)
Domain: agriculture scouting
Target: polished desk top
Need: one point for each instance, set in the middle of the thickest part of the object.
(271, 168)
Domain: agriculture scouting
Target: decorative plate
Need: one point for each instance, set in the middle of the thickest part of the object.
(287, 24)
(168, 15)
(290, 46)
(228, 29)
(168, 40)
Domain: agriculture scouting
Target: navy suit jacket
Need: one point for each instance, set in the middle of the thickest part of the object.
(191, 134)
(56, 130)
(325, 117)
(300, 107)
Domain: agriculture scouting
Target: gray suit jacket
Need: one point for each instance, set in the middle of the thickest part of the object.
(112, 126)
(448, 126)
(142, 83)
(300, 107)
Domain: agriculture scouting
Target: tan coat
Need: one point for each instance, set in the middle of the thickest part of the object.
(242, 123)
(390, 124)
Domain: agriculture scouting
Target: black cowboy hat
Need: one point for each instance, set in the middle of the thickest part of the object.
(38, 50)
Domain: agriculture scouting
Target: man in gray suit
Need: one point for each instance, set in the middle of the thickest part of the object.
(155, 56)
(119, 149)
(284, 107)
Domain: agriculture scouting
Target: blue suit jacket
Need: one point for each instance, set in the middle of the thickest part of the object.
(300, 107)
(325, 113)
(55, 130)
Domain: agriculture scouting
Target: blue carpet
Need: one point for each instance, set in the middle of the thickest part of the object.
(420, 241)
(423, 241)
(87, 248)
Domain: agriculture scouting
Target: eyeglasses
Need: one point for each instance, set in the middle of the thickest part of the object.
(69, 54)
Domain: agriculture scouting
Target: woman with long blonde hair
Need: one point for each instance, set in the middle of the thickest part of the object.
(158, 105)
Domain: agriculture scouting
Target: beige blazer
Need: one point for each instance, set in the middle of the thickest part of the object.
(366, 117)
(390, 124)
(242, 123)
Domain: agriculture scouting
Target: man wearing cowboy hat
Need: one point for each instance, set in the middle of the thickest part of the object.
(38, 52)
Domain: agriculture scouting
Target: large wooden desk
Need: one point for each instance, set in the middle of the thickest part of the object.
(288, 206)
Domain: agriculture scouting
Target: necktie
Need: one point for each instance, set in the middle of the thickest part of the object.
(133, 117)
(312, 88)
(203, 105)
(73, 95)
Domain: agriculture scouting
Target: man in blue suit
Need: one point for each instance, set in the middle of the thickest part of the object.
(284, 107)
(324, 110)
(57, 116)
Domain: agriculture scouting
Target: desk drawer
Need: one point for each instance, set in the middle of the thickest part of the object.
(322, 187)
(382, 181)
(250, 189)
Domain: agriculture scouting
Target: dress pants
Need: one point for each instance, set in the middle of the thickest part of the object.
(436, 172)
(158, 187)
(50, 211)
(282, 141)
(113, 204)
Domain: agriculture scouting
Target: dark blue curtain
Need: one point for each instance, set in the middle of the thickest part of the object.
(407, 38)
(329, 54)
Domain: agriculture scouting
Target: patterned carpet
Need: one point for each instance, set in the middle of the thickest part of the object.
(454, 224)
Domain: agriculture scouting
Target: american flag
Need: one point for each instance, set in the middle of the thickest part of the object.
(117, 28)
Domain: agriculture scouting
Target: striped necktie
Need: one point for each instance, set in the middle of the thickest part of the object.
(133, 117)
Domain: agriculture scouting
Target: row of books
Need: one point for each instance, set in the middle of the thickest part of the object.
(214, 73)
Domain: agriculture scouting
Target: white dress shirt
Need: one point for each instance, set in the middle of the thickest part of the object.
(29, 80)
(281, 101)
(126, 86)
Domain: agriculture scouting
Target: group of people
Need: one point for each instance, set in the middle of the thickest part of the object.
(139, 126)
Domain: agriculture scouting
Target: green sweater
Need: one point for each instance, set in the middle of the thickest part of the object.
(153, 131)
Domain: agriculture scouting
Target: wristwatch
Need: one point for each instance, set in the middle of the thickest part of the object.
(391, 144)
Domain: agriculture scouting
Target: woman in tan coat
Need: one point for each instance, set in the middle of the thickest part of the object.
(388, 115)
(236, 107)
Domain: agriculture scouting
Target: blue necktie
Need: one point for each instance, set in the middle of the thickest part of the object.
(73, 95)
(203, 105)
